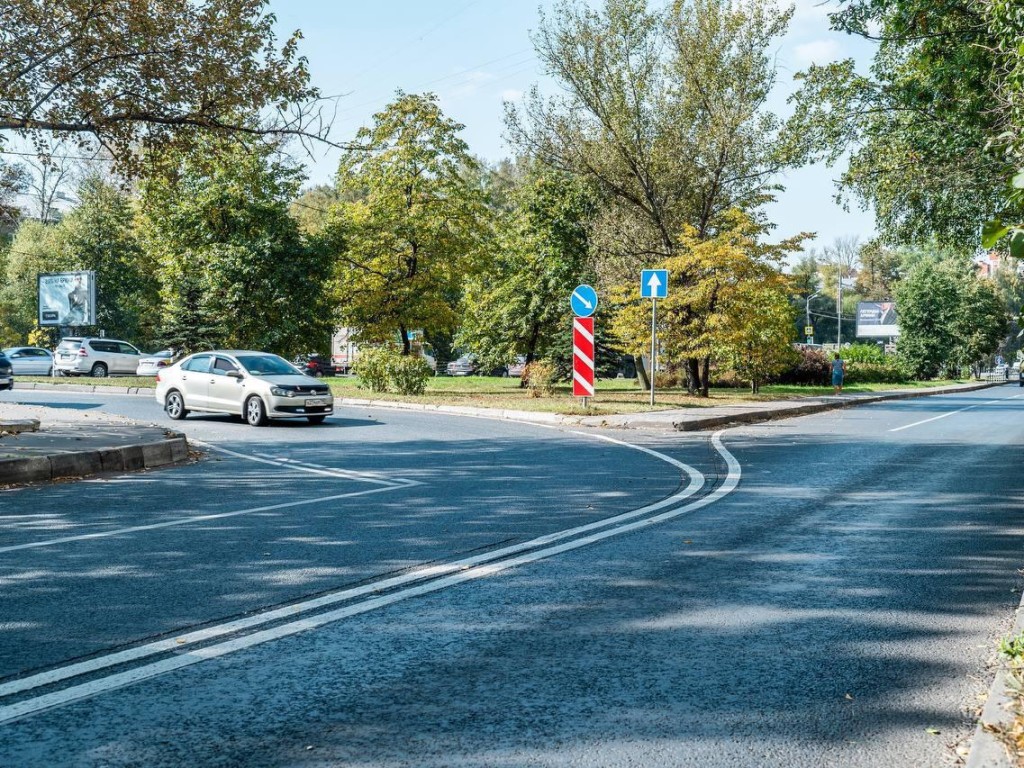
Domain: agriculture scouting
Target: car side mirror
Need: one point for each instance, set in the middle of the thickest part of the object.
(235, 375)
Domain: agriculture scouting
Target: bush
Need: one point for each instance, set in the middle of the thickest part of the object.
(408, 374)
(864, 353)
(540, 377)
(372, 368)
(812, 368)
(385, 369)
(875, 373)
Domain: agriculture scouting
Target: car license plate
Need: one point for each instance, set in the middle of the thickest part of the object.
(314, 401)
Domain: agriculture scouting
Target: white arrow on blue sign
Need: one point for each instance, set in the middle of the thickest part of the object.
(653, 283)
(583, 301)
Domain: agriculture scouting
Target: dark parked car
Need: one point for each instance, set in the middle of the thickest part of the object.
(315, 365)
(6, 373)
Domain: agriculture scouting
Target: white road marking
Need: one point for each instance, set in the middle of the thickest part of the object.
(195, 519)
(953, 413)
(440, 577)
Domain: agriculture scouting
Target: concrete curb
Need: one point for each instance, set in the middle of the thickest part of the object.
(37, 469)
(689, 425)
(987, 751)
(92, 388)
(19, 425)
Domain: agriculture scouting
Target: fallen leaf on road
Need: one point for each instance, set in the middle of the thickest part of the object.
(933, 731)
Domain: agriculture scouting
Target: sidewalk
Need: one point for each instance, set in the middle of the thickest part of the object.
(40, 443)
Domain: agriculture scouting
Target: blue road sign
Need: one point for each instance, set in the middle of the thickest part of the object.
(653, 283)
(583, 301)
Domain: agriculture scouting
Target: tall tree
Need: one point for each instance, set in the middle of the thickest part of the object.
(100, 235)
(518, 304)
(234, 269)
(150, 75)
(921, 127)
(404, 249)
(664, 113)
(949, 318)
(34, 250)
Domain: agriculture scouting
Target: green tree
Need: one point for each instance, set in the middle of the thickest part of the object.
(233, 267)
(34, 250)
(406, 247)
(949, 318)
(133, 76)
(519, 305)
(100, 235)
(921, 128)
(664, 114)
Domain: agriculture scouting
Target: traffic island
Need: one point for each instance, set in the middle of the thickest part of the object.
(40, 444)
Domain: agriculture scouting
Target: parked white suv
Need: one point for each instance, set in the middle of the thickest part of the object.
(95, 357)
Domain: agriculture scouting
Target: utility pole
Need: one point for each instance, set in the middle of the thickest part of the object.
(839, 310)
(807, 315)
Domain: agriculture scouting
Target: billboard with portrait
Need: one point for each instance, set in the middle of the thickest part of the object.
(877, 319)
(67, 298)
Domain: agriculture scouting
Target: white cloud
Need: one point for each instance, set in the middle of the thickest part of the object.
(512, 94)
(818, 52)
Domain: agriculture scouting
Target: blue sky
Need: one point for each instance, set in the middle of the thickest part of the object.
(475, 54)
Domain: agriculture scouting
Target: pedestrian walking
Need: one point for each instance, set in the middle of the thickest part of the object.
(838, 372)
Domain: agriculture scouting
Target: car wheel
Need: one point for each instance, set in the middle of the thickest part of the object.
(318, 373)
(99, 371)
(315, 419)
(174, 405)
(255, 412)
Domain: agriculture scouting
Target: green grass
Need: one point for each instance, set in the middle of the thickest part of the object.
(613, 395)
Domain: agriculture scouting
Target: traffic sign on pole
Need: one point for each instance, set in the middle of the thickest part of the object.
(653, 283)
(583, 357)
(583, 301)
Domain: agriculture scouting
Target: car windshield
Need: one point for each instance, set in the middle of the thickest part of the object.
(69, 345)
(267, 365)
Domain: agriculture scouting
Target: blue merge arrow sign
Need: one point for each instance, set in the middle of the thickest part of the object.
(653, 283)
(583, 301)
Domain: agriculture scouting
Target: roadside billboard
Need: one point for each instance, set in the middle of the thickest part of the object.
(877, 319)
(67, 298)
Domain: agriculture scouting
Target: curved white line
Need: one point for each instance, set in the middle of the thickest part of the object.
(458, 572)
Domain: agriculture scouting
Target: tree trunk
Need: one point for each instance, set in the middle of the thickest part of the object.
(403, 334)
(531, 352)
(641, 372)
(705, 376)
(692, 376)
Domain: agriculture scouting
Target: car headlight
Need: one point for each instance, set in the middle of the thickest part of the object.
(278, 392)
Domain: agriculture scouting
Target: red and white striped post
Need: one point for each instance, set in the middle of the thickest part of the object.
(583, 358)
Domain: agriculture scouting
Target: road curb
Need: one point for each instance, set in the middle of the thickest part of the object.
(986, 749)
(171, 450)
(87, 388)
(17, 426)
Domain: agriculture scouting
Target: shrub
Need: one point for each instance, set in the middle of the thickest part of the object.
(408, 374)
(385, 369)
(812, 368)
(540, 377)
(864, 353)
(888, 372)
(372, 368)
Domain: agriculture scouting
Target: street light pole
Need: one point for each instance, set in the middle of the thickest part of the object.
(839, 311)
(807, 315)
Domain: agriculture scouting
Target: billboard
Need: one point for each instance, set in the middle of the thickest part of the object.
(67, 298)
(877, 318)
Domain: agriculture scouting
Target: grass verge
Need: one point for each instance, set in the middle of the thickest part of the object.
(612, 396)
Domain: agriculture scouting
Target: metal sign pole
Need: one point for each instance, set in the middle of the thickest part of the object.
(654, 345)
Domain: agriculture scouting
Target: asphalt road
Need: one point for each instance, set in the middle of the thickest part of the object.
(403, 589)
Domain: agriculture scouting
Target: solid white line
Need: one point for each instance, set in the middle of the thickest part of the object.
(464, 574)
(45, 678)
(953, 413)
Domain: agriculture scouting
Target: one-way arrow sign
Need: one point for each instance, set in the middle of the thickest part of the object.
(654, 283)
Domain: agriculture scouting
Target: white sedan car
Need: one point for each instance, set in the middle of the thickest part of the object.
(151, 364)
(254, 385)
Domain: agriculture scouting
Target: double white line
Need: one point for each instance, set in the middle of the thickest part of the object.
(360, 600)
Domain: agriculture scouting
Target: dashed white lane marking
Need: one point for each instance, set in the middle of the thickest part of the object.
(953, 413)
(436, 578)
(190, 520)
(316, 469)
